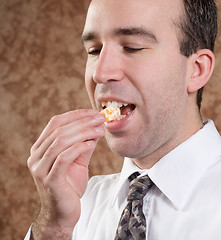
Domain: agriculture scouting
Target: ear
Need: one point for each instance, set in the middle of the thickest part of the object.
(202, 66)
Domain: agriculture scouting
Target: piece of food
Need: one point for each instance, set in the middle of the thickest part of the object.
(111, 113)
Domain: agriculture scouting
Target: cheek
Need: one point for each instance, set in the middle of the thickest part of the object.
(164, 75)
(171, 94)
(162, 86)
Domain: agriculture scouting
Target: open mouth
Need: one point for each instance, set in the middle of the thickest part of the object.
(115, 111)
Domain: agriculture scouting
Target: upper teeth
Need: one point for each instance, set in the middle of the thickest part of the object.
(114, 104)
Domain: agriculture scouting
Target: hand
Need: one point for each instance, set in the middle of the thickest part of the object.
(59, 165)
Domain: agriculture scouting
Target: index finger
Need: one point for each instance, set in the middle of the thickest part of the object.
(62, 120)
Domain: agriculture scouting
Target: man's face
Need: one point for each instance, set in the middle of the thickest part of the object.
(134, 58)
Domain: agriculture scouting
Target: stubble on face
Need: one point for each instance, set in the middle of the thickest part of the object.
(157, 80)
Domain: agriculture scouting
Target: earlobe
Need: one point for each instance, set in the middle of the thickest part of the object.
(202, 66)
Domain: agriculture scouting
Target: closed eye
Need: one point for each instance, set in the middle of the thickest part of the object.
(133, 50)
(94, 52)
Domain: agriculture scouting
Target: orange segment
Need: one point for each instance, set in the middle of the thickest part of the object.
(111, 113)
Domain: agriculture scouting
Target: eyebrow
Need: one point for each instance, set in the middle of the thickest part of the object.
(132, 31)
(88, 37)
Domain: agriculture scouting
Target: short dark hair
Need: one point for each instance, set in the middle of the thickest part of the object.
(199, 28)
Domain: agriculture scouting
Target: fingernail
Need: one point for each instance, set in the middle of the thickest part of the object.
(99, 116)
(99, 129)
(89, 142)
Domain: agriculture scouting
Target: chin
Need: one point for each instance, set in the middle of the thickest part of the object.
(126, 147)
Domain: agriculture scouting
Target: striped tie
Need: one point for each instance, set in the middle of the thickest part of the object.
(132, 223)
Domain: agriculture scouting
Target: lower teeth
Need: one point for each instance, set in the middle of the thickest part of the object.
(119, 117)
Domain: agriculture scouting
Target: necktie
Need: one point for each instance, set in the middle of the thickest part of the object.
(132, 223)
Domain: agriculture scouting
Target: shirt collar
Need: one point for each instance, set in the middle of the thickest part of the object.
(123, 184)
(178, 172)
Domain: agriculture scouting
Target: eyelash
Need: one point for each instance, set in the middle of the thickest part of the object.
(132, 50)
(94, 52)
(126, 49)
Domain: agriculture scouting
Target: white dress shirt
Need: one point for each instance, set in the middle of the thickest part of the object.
(184, 203)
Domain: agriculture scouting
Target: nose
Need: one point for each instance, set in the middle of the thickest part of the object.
(108, 66)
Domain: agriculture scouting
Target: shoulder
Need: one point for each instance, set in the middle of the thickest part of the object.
(214, 171)
(209, 184)
(98, 196)
(94, 203)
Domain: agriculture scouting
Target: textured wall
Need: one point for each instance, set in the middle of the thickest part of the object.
(41, 74)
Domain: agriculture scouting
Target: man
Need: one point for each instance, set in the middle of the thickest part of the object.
(152, 58)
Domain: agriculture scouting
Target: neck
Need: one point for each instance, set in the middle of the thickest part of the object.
(151, 159)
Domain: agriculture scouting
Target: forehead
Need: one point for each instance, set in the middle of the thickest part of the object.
(105, 15)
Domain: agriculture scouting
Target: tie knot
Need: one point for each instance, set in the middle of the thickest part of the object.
(139, 188)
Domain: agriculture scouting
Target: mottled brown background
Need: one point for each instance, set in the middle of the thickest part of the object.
(42, 74)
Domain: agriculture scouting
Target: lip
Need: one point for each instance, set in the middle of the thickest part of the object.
(117, 126)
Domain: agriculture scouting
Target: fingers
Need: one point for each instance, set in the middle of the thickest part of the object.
(78, 131)
(69, 166)
(63, 138)
(58, 147)
(59, 163)
(62, 120)
(76, 155)
(73, 161)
